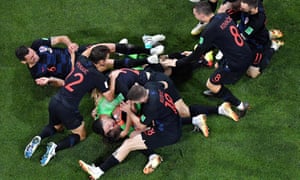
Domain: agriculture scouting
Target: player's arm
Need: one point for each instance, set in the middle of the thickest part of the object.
(53, 81)
(126, 107)
(110, 94)
(64, 40)
(125, 132)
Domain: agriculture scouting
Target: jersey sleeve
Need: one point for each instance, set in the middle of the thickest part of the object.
(41, 42)
(255, 24)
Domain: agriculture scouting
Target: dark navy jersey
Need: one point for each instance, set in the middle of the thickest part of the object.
(159, 110)
(126, 80)
(82, 79)
(221, 32)
(253, 27)
(54, 62)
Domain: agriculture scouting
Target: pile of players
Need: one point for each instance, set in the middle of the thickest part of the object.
(135, 97)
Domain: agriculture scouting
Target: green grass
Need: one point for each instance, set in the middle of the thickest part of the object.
(263, 145)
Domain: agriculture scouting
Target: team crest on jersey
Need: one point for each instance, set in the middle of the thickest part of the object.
(44, 49)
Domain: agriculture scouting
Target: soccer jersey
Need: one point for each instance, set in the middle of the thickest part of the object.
(221, 32)
(159, 110)
(125, 80)
(82, 79)
(54, 62)
(253, 28)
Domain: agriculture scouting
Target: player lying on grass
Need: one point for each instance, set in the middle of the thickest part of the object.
(49, 64)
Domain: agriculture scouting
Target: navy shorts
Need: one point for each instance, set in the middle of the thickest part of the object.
(224, 75)
(154, 138)
(60, 113)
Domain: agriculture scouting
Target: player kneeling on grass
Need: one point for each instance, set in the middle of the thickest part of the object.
(64, 106)
(160, 121)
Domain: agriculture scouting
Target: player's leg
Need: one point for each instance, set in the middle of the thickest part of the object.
(216, 84)
(131, 144)
(49, 130)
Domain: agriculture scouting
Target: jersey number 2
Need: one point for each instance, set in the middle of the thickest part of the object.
(78, 81)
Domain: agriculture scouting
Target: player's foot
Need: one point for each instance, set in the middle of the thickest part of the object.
(150, 41)
(157, 50)
(275, 34)
(200, 124)
(50, 153)
(32, 146)
(225, 109)
(209, 57)
(276, 44)
(154, 161)
(92, 170)
(195, 1)
(197, 29)
(208, 93)
(123, 41)
(153, 59)
(243, 109)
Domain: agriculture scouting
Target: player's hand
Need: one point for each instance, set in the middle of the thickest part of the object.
(125, 107)
(186, 53)
(169, 63)
(73, 47)
(42, 81)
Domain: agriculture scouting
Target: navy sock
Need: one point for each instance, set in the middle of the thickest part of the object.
(69, 141)
(187, 120)
(200, 109)
(47, 131)
(110, 162)
(147, 152)
(226, 95)
(128, 63)
(131, 49)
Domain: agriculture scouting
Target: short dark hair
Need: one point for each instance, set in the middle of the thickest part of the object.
(99, 53)
(97, 127)
(203, 7)
(251, 3)
(136, 92)
(21, 52)
(110, 137)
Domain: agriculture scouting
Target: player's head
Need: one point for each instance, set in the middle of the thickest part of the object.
(202, 11)
(99, 53)
(248, 5)
(108, 128)
(26, 55)
(137, 93)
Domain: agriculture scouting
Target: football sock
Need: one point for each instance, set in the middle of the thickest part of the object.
(226, 95)
(110, 162)
(187, 120)
(67, 142)
(147, 152)
(199, 109)
(131, 49)
(47, 131)
(128, 63)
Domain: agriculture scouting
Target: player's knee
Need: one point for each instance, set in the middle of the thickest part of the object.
(253, 72)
